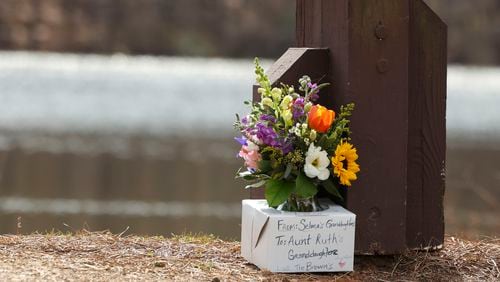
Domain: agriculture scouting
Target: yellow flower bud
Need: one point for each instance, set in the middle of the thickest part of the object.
(276, 94)
(307, 107)
(288, 118)
(313, 135)
(285, 103)
(267, 102)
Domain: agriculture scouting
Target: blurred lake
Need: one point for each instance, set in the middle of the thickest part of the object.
(110, 142)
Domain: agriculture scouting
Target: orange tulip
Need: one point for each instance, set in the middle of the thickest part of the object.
(320, 118)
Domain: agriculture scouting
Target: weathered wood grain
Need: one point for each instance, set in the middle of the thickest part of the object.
(372, 73)
(427, 128)
(389, 57)
(378, 84)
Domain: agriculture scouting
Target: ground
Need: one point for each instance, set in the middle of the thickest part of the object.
(103, 256)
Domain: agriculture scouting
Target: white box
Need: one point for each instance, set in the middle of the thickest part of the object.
(281, 241)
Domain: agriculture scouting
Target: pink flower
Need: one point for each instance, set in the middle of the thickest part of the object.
(251, 157)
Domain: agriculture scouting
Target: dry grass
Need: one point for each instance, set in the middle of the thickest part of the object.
(103, 256)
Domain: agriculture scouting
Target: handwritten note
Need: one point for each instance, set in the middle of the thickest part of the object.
(310, 242)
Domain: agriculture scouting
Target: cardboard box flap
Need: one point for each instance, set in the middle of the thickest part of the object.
(259, 224)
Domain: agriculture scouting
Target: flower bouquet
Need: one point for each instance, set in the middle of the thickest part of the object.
(294, 147)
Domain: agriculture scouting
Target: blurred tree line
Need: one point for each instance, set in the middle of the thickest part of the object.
(229, 28)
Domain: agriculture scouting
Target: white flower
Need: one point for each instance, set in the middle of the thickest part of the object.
(297, 132)
(317, 163)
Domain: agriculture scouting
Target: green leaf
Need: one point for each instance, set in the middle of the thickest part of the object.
(249, 176)
(321, 142)
(265, 165)
(331, 188)
(256, 185)
(244, 174)
(329, 144)
(277, 175)
(277, 191)
(304, 187)
(323, 85)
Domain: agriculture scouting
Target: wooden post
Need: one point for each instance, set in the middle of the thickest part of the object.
(427, 128)
(388, 57)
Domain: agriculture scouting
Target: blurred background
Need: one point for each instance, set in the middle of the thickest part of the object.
(118, 113)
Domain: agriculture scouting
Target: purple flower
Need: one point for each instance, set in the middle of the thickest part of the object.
(266, 134)
(314, 97)
(242, 140)
(244, 120)
(312, 85)
(269, 137)
(298, 108)
(286, 147)
(269, 118)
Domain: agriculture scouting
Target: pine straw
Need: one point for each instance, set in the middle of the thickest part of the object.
(103, 256)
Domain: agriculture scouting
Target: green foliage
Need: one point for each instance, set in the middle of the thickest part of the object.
(346, 110)
(296, 158)
(256, 184)
(328, 143)
(265, 166)
(340, 128)
(331, 188)
(274, 157)
(262, 79)
(251, 176)
(304, 187)
(277, 191)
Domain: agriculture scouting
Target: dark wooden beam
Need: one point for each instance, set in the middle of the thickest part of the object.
(372, 72)
(389, 57)
(426, 128)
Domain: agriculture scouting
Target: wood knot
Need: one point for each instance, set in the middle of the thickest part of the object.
(380, 31)
(383, 66)
(374, 214)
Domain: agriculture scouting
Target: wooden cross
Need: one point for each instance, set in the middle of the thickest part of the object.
(389, 58)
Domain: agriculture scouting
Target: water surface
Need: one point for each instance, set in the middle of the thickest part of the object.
(117, 141)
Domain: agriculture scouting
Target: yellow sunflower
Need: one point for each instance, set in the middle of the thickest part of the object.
(344, 163)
